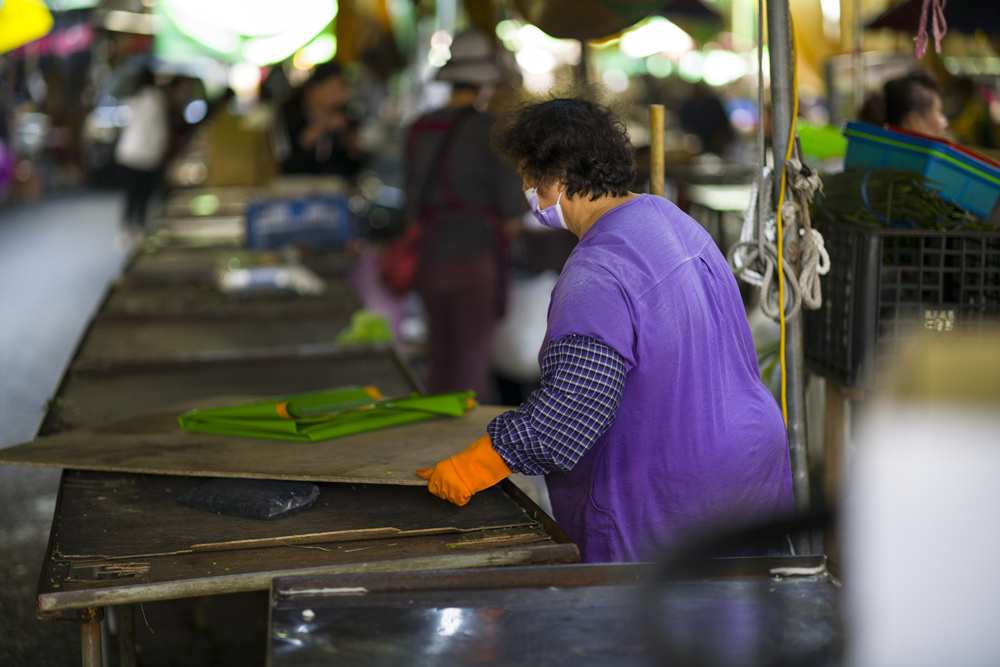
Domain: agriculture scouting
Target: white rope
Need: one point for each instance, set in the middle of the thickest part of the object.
(813, 257)
(755, 257)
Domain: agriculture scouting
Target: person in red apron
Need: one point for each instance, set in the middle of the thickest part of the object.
(463, 197)
(651, 423)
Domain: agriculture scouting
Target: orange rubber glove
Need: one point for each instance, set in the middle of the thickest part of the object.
(476, 468)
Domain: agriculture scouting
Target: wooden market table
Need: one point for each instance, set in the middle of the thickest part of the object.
(182, 552)
(110, 343)
(199, 264)
(165, 340)
(164, 334)
(95, 392)
(202, 299)
(224, 200)
(119, 536)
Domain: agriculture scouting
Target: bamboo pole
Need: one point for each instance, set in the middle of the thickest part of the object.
(656, 152)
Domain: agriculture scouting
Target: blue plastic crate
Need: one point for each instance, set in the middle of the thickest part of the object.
(321, 222)
(972, 183)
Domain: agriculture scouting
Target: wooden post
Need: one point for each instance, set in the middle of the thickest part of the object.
(656, 152)
(347, 29)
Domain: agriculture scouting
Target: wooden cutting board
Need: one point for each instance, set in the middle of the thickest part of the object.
(114, 515)
(153, 442)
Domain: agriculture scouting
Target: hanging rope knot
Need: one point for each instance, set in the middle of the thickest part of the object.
(802, 179)
(754, 258)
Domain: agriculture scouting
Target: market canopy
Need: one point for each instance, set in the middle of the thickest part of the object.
(966, 16)
(260, 32)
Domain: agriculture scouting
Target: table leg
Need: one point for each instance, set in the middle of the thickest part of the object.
(126, 635)
(838, 420)
(90, 634)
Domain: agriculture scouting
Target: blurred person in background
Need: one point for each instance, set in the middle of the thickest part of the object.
(704, 115)
(971, 122)
(463, 197)
(314, 132)
(651, 423)
(911, 102)
(142, 148)
(7, 159)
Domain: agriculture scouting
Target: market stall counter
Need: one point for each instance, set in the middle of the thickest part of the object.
(204, 299)
(90, 394)
(120, 536)
(214, 231)
(761, 611)
(223, 200)
(201, 265)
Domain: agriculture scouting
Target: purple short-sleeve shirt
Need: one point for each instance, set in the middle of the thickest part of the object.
(698, 440)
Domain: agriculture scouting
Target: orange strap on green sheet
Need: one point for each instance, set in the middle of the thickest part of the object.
(324, 415)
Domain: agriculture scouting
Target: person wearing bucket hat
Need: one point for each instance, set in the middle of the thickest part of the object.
(473, 61)
(463, 198)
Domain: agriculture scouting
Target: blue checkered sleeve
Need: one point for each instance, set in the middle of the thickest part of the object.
(581, 387)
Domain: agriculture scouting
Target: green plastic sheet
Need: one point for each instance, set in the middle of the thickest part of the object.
(324, 415)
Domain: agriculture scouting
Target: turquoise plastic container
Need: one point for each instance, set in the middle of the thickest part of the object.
(970, 182)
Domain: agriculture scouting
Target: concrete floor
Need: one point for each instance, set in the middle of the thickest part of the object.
(57, 258)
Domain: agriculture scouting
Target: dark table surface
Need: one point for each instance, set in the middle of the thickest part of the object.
(75, 576)
(746, 613)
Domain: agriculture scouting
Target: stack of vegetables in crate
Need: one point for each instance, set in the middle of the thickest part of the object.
(912, 248)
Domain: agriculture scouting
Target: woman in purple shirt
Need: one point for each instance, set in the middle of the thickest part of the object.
(651, 423)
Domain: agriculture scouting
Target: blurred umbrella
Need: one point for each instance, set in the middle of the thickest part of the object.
(695, 10)
(966, 16)
(22, 21)
(696, 18)
(594, 19)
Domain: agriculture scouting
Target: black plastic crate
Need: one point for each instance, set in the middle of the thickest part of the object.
(884, 285)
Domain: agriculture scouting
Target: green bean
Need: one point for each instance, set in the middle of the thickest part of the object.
(895, 197)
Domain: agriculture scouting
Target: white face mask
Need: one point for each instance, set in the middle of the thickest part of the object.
(551, 216)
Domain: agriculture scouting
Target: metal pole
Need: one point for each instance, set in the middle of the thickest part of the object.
(90, 635)
(780, 51)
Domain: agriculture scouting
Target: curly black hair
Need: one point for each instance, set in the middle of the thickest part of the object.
(575, 139)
